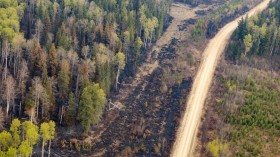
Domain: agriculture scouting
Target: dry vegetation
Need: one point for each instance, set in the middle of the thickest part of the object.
(242, 112)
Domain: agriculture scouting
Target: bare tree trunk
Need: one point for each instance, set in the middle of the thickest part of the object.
(140, 31)
(117, 77)
(126, 56)
(61, 114)
(77, 85)
(19, 112)
(49, 153)
(38, 103)
(15, 66)
(145, 42)
(6, 60)
(37, 98)
(10, 61)
(2, 52)
(31, 151)
(271, 51)
(151, 38)
(31, 115)
(42, 110)
(16, 63)
(8, 104)
(72, 68)
(43, 150)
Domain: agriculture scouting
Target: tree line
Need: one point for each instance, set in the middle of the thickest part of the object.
(22, 136)
(258, 35)
(208, 26)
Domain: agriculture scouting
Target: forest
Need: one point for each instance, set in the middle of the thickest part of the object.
(259, 36)
(207, 26)
(245, 107)
(60, 60)
(63, 61)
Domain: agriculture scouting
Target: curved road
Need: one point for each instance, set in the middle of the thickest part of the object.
(187, 132)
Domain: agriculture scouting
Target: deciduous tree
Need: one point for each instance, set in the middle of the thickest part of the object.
(52, 135)
(2, 118)
(18, 43)
(45, 134)
(6, 140)
(137, 46)
(119, 60)
(25, 149)
(31, 134)
(9, 94)
(15, 129)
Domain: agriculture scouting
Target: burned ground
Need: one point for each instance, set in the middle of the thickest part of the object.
(145, 126)
(160, 119)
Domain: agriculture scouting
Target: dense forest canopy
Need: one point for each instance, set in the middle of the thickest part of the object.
(61, 58)
(258, 35)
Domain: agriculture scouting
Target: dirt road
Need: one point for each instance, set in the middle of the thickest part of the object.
(187, 132)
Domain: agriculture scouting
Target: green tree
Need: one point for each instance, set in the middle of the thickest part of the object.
(50, 88)
(31, 135)
(12, 152)
(63, 80)
(45, 134)
(149, 25)
(15, 129)
(248, 43)
(216, 147)
(9, 27)
(6, 140)
(91, 106)
(62, 39)
(52, 135)
(126, 43)
(103, 66)
(30, 104)
(119, 60)
(18, 43)
(25, 149)
(137, 46)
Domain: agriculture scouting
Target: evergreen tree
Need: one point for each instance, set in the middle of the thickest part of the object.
(53, 62)
(63, 80)
(91, 106)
